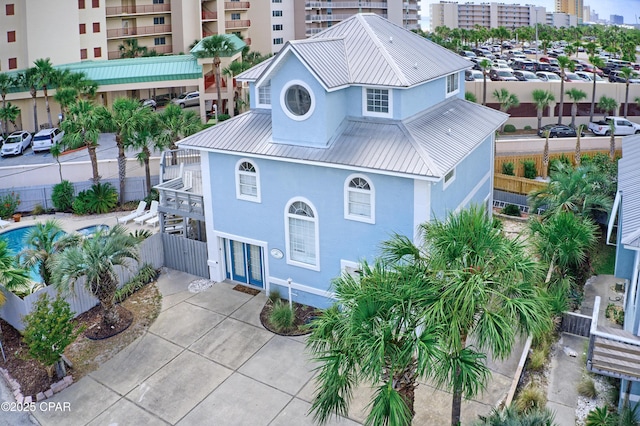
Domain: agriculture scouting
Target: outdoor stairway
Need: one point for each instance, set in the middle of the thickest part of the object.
(616, 356)
(174, 225)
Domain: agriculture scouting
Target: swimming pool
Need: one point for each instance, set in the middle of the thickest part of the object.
(14, 239)
(89, 230)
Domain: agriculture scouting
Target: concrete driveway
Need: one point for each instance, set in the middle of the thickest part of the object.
(208, 360)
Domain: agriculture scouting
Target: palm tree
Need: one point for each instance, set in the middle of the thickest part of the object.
(563, 63)
(144, 142)
(94, 260)
(11, 274)
(596, 62)
(235, 68)
(510, 416)
(177, 124)
(47, 76)
(131, 49)
(6, 83)
(82, 127)
(607, 105)
(10, 113)
(485, 66)
(612, 139)
(42, 243)
(627, 73)
(471, 97)
(29, 80)
(376, 332)
(484, 291)
(578, 155)
(576, 95)
(126, 118)
(579, 190)
(542, 99)
(71, 86)
(545, 154)
(507, 100)
(216, 46)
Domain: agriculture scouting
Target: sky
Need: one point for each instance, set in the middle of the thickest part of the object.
(627, 8)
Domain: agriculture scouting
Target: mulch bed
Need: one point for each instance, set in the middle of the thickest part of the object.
(247, 290)
(97, 329)
(303, 315)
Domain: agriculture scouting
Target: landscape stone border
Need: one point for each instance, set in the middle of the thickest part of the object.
(40, 396)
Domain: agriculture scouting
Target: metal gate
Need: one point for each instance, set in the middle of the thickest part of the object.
(185, 255)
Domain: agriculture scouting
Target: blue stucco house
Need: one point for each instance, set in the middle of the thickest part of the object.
(354, 134)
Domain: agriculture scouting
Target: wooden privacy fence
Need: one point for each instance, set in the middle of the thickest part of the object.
(185, 255)
(577, 324)
(517, 160)
(81, 300)
(518, 185)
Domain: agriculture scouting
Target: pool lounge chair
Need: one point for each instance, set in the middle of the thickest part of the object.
(153, 212)
(154, 221)
(4, 223)
(137, 212)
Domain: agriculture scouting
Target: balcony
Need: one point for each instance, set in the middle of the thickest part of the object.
(165, 49)
(326, 18)
(181, 188)
(238, 23)
(138, 31)
(345, 5)
(138, 10)
(236, 5)
(209, 16)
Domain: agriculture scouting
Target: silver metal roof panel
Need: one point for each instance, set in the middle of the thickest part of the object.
(629, 184)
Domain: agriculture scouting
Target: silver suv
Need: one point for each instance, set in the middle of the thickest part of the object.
(187, 99)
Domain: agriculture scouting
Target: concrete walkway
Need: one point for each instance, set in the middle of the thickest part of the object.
(208, 360)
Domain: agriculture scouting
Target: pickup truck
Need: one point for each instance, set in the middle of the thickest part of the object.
(622, 126)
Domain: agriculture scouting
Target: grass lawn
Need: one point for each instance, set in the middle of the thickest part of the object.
(603, 258)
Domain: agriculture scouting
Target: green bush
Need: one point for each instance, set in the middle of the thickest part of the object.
(537, 359)
(274, 295)
(62, 196)
(9, 204)
(38, 209)
(530, 171)
(102, 198)
(282, 317)
(48, 331)
(615, 313)
(587, 387)
(470, 97)
(508, 168)
(145, 275)
(511, 210)
(223, 117)
(80, 204)
(530, 398)
(527, 127)
(509, 128)
(141, 234)
(153, 196)
(601, 416)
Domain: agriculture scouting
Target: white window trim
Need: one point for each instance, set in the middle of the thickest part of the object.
(238, 172)
(283, 104)
(316, 266)
(453, 92)
(445, 182)
(344, 264)
(258, 104)
(367, 113)
(372, 199)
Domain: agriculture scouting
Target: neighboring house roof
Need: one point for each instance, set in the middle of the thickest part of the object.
(254, 72)
(628, 184)
(367, 49)
(428, 144)
(236, 43)
(138, 70)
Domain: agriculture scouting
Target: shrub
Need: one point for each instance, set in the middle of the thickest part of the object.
(62, 196)
(538, 359)
(223, 117)
(508, 168)
(145, 275)
(48, 331)
(527, 127)
(141, 234)
(38, 209)
(615, 313)
(9, 204)
(80, 204)
(530, 171)
(600, 416)
(511, 210)
(101, 198)
(509, 128)
(470, 97)
(282, 317)
(153, 196)
(587, 387)
(530, 398)
(274, 295)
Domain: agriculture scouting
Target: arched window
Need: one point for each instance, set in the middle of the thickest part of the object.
(247, 181)
(302, 234)
(359, 199)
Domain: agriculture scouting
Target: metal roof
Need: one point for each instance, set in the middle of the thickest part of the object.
(628, 184)
(254, 72)
(420, 146)
(138, 70)
(369, 50)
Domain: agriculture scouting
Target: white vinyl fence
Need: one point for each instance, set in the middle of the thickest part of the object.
(81, 301)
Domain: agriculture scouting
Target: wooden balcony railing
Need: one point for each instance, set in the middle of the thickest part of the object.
(234, 5)
(239, 23)
(167, 48)
(209, 16)
(134, 31)
(138, 9)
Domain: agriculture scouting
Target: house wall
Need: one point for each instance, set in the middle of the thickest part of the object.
(408, 102)
(472, 183)
(339, 238)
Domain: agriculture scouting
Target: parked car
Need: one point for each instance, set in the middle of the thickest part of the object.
(46, 138)
(467, 54)
(552, 61)
(525, 76)
(151, 103)
(590, 68)
(523, 65)
(558, 131)
(615, 76)
(549, 77)
(16, 143)
(572, 77)
(622, 126)
(501, 75)
(473, 75)
(187, 99)
(588, 76)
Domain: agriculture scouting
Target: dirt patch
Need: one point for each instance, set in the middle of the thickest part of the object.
(304, 314)
(85, 355)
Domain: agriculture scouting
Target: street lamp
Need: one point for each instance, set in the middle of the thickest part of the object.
(537, 47)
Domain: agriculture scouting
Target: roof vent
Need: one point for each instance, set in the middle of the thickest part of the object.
(390, 39)
(415, 65)
(449, 131)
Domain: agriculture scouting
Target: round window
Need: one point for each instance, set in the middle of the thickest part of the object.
(298, 100)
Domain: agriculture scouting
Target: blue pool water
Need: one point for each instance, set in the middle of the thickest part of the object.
(86, 231)
(14, 239)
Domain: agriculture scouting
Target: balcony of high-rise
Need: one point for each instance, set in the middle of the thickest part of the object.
(134, 9)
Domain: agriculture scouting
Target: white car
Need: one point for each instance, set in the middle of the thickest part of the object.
(588, 76)
(549, 77)
(16, 143)
(46, 138)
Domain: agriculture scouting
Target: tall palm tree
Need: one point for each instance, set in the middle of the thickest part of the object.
(29, 80)
(82, 127)
(375, 333)
(9, 113)
(144, 142)
(47, 76)
(485, 66)
(42, 243)
(597, 63)
(563, 63)
(131, 49)
(94, 260)
(235, 68)
(608, 105)
(542, 99)
(176, 124)
(484, 288)
(126, 118)
(507, 100)
(627, 73)
(215, 46)
(576, 95)
(71, 86)
(6, 83)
